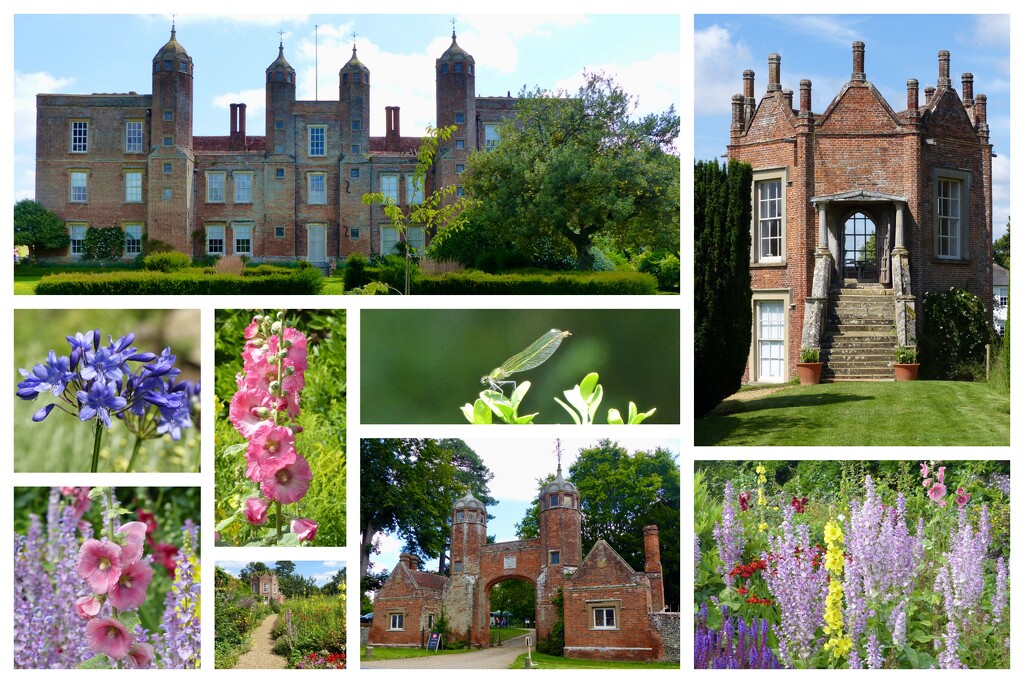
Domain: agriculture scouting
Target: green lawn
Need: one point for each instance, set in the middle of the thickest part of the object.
(380, 653)
(924, 413)
(548, 662)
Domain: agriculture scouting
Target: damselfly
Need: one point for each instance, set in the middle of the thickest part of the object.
(527, 359)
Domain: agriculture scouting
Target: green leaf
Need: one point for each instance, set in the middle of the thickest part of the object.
(481, 413)
(588, 384)
(289, 540)
(640, 417)
(97, 662)
(129, 620)
(575, 417)
(226, 523)
(236, 449)
(520, 393)
(613, 416)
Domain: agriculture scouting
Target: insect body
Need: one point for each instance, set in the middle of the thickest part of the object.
(527, 359)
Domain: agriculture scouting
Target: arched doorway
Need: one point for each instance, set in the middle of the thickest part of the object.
(511, 605)
(860, 248)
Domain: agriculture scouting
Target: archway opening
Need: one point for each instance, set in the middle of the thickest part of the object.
(860, 248)
(511, 609)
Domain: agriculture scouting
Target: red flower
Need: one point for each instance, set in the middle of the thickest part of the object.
(745, 501)
(149, 519)
(798, 503)
(742, 590)
(166, 554)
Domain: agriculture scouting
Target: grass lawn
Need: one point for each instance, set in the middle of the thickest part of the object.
(26, 284)
(924, 413)
(380, 653)
(548, 662)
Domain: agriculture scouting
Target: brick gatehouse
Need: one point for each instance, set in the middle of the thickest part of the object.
(858, 211)
(611, 611)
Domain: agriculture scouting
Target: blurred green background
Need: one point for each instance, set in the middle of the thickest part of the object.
(422, 366)
(63, 444)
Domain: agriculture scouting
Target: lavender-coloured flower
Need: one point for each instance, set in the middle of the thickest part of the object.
(1000, 596)
(729, 536)
(101, 398)
(179, 647)
(736, 645)
(52, 376)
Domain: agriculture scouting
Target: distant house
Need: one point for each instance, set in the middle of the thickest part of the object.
(265, 587)
(1000, 297)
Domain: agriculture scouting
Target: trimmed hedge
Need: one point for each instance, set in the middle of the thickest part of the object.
(167, 261)
(191, 281)
(613, 282)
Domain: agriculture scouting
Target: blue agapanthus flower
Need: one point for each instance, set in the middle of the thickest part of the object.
(52, 376)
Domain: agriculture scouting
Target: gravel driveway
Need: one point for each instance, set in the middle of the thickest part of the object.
(261, 656)
(488, 658)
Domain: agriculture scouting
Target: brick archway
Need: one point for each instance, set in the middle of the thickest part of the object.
(489, 586)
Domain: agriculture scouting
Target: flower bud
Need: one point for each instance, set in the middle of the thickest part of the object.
(275, 387)
(261, 412)
(286, 343)
(276, 327)
(289, 370)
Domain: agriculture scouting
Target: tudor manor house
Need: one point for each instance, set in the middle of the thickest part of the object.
(132, 161)
(858, 212)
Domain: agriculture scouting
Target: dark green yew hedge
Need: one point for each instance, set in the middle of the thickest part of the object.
(184, 282)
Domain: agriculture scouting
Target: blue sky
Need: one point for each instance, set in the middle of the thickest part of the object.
(320, 572)
(897, 48)
(517, 464)
(231, 53)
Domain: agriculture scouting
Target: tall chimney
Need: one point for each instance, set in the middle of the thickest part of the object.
(652, 567)
(787, 96)
(912, 94)
(774, 67)
(241, 121)
(967, 83)
(737, 112)
(981, 110)
(805, 97)
(858, 62)
(944, 81)
(748, 95)
(234, 119)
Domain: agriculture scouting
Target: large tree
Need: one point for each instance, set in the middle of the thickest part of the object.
(721, 264)
(1001, 249)
(621, 493)
(37, 227)
(568, 169)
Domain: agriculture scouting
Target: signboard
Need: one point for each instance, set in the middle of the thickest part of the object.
(510, 562)
(434, 642)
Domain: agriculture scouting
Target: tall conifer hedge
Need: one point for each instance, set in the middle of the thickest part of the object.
(721, 265)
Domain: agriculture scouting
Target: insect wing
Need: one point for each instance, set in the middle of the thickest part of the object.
(536, 353)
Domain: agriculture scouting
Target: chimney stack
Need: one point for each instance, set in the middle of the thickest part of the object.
(652, 567)
(929, 90)
(981, 110)
(234, 119)
(912, 94)
(805, 97)
(967, 82)
(787, 95)
(241, 121)
(748, 95)
(737, 112)
(944, 81)
(774, 67)
(858, 62)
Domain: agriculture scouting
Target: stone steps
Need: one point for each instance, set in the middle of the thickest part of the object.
(859, 339)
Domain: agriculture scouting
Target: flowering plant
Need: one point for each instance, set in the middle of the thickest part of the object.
(98, 382)
(264, 410)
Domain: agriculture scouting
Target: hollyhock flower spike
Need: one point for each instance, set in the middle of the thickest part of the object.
(962, 497)
(99, 563)
(937, 492)
(305, 529)
(109, 637)
(129, 592)
(288, 483)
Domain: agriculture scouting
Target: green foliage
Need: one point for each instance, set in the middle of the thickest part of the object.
(601, 262)
(1001, 249)
(167, 261)
(355, 271)
(571, 168)
(662, 265)
(103, 244)
(554, 642)
(237, 612)
(906, 354)
(184, 282)
(37, 227)
(517, 597)
(722, 313)
(956, 329)
(809, 355)
(610, 283)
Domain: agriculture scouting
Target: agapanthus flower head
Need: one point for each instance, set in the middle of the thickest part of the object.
(52, 376)
(99, 563)
(305, 529)
(287, 483)
(109, 637)
(99, 401)
(103, 364)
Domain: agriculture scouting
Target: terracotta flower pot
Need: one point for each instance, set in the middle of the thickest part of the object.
(906, 372)
(809, 373)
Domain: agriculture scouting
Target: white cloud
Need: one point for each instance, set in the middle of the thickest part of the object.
(26, 87)
(494, 38)
(1000, 194)
(240, 19)
(255, 101)
(653, 82)
(718, 64)
(992, 30)
(832, 29)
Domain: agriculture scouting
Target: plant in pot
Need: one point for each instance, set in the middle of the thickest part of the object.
(809, 367)
(906, 365)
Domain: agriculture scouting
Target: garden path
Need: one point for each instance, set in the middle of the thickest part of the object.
(489, 658)
(261, 655)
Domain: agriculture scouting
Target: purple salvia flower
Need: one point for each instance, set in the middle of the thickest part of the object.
(729, 537)
(898, 625)
(999, 599)
(874, 652)
(739, 646)
(179, 647)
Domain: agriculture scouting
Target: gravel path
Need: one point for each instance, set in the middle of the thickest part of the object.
(261, 656)
(488, 658)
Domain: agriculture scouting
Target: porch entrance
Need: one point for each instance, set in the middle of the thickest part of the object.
(860, 249)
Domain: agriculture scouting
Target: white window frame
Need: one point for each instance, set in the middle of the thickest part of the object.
(132, 239)
(79, 136)
(414, 189)
(133, 136)
(316, 195)
(215, 191)
(396, 621)
(491, 136)
(243, 181)
(389, 236)
(762, 179)
(73, 196)
(240, 232)
(600, 613)
(754, 359)
(76, 245)
(951, 224)
(316, 138)
(133, 187)
(389, 186)
(215, 232)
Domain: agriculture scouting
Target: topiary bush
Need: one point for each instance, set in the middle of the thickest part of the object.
(956, 329)
(355, 271)
(167, 261)
(103, 244)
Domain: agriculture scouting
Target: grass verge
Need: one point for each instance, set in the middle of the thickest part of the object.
(380, 653)
(541, 661)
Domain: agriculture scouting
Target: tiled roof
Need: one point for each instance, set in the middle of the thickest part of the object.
(220, 143)
(405, 145)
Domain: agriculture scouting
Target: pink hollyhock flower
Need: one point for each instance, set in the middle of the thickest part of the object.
(130, 590)
(248, 411)
(141, 655)
(305, 529)
(135, 535)
(936, 493)
(941, 475)
(924, 470)
(927, 482)
(109, 637)
(256, 510)
(271, 445)
(99, 563)
(165, 554)
(252, 328)
(88, 607)
(962, 497)
(288, 483)
(297, 352)
(258, 374)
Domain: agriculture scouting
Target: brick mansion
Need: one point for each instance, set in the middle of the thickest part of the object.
(132, 161)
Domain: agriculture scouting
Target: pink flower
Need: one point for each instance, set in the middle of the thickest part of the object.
(305, 529)
(927, 482)
(942, 475)
(141, 655)
(99, 563)
(88, 607)
(80, 502)
(109, 637)
(297, 351)
(135, 535)
(936, 493)
(271, 446)
(252, 329)
(249, 409)
(130, 590)
(256, 510)
(288, 483)
(924, 470)
(962, 497)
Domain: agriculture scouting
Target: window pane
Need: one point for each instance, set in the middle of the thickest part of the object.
(491, 137)
(215, 187)
(769, 215)
(243, 239)
(133, 137)
(389, 187)
(215, 239)
(317, 189)
(243, 188)
(79, 186)
(79, 136)
(948, 218)
(414, 190)
(316, 141)
(388, 240)
(133, 186)
(77, 239)
(132, 239)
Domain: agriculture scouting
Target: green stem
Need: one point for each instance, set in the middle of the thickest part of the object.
(96, 447)
(135, 453)
(277, 519)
